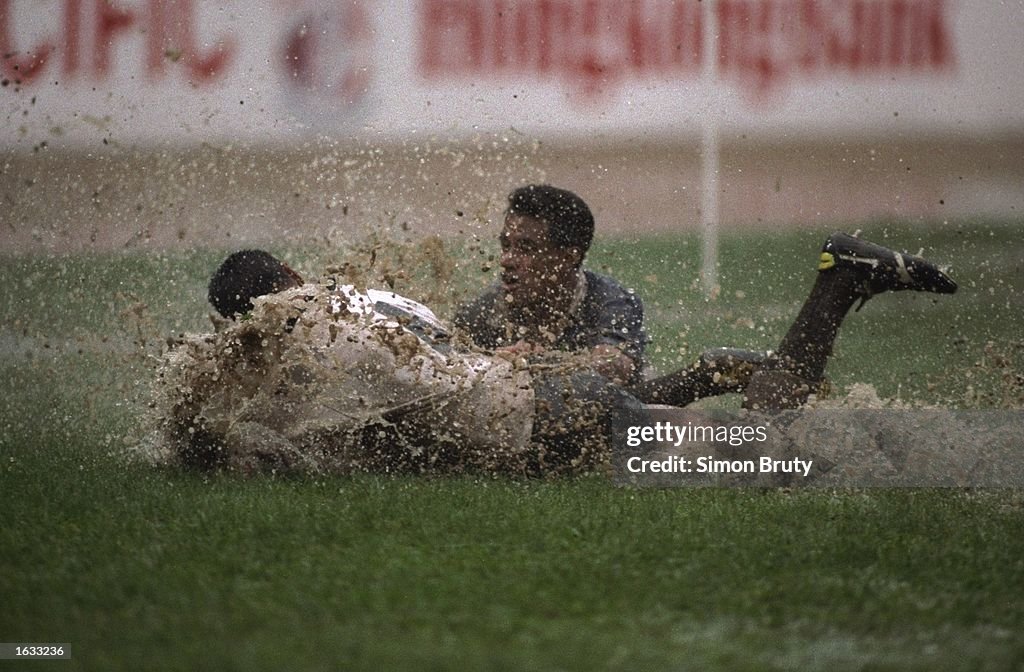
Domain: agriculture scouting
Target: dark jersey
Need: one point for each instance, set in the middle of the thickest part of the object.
(608, 314)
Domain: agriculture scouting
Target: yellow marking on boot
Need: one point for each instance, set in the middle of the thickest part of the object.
(827, 261)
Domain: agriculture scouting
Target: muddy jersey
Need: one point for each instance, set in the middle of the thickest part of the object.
(330, 379)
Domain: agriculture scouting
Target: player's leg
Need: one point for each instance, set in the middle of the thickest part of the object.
(849, 270)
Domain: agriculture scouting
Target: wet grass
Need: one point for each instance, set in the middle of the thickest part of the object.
(160, 570)
(152, 569)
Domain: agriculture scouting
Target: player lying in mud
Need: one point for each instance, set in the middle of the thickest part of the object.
(321, 377)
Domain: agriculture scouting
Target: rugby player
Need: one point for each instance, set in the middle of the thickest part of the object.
(545, 298)
(324, 377)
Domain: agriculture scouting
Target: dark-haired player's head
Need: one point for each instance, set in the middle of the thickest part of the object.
(546, 235)
(245, 275)
(568, 219)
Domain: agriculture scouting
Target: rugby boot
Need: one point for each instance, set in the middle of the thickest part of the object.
(880, 269)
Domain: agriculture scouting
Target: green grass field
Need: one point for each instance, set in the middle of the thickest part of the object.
(142, 568)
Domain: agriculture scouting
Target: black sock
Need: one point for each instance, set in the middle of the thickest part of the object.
(807, 345)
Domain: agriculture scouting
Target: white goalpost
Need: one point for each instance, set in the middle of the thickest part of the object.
(710, 158)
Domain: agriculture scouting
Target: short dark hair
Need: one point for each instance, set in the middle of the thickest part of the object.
(570, 222)
(243, 276)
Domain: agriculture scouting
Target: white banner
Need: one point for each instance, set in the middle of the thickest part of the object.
(153, 72)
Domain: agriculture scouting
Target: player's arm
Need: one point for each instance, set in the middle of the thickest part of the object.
(618, 340)
(606, 359)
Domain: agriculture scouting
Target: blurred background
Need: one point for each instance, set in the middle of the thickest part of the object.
(156, 123)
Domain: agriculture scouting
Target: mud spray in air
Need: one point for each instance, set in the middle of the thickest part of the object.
(420, 219)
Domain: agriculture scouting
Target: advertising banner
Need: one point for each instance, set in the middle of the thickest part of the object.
(183, 72)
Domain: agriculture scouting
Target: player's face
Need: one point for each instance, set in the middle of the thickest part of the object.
(535, 272)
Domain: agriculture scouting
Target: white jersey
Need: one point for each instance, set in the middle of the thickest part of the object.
(375, 303)
(314, 375)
